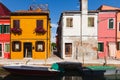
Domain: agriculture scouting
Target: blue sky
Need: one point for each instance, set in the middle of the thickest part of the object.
(56, 7)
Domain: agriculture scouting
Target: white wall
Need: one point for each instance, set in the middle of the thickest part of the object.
(72, 31)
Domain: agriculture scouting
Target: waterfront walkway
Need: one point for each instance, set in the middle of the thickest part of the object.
(54, 59)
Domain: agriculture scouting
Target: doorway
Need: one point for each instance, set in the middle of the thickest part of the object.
(68, 49)
(27, 50)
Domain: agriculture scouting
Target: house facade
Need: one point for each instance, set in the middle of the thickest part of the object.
(107, 31)
(30, 34)
(4, 31)
(73, 40)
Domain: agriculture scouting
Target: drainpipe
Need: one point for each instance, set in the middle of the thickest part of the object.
(116, 30)
(84, 13)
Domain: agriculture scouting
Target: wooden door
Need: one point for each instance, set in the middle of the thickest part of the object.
(68, 49)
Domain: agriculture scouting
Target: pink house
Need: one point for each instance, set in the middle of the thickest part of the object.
(107, 31)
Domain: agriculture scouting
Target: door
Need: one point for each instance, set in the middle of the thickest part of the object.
(0, 50)
(28, 50)
(68, 49)
(112, 49)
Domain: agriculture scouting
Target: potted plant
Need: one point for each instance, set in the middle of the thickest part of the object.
(16, 30)
(40, 30)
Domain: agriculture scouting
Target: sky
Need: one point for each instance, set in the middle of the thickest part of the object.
(56, 7)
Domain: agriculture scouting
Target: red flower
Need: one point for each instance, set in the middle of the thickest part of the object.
(40, 30)
(16, 30)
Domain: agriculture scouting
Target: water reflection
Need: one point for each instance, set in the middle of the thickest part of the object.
(67, 76)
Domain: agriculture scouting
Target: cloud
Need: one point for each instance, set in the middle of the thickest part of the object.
(53, 25)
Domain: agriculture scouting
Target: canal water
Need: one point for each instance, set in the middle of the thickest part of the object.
(72, 75)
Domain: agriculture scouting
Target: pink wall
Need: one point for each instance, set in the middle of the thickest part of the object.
(106, 35)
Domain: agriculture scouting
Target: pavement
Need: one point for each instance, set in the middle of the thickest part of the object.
(54, 59)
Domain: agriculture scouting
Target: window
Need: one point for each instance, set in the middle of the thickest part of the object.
(16, 23)
(4, 28)
(119, 26)
(118, 45)
(16, 46)
(90, 21)
(39, 23)
(101, 47)
(111, 23)
(40, 46)
(69, 22)
(7, 47)
(1, 29)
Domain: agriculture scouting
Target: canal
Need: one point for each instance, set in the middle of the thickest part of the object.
(70, 75)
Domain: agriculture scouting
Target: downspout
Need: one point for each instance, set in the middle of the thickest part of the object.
(116, 30)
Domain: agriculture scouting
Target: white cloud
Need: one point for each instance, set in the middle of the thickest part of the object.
(54, 25)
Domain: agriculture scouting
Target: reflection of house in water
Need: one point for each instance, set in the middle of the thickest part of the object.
(30, 34)
(77, 33)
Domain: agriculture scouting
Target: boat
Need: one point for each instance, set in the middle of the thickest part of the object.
(99, 70)
(32, 70)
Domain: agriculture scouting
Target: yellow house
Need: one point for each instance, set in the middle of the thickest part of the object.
(30, 34)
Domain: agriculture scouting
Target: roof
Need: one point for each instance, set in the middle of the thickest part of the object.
(4, 11)
(30, 12)
(105, 7)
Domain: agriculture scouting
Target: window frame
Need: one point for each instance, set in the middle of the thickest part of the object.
(5, 48)
(101, 44)
(39, 23)
(16, 23)
(7, 27)
(92, 21)
(69, 22)
(118, 45)
(109, 23)
(13, 46)
(36, 46)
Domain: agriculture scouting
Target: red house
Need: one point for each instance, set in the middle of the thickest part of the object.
(4, 31)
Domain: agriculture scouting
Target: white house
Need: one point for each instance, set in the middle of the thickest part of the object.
(77, 34)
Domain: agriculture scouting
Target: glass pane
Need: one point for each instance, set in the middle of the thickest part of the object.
(7, 28)
(16, 23)
(7, 47)
(16, 46)
(0, 28)
(40, 47)
(39, 23)
(110, 23)
(91, 22)
(69, 22)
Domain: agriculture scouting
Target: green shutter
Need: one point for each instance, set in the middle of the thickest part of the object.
(100, 46)
(0, 28)
(4, 28)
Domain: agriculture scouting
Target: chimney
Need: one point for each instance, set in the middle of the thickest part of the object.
(84, 6)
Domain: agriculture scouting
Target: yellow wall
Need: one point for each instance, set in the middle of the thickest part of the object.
(28, 25)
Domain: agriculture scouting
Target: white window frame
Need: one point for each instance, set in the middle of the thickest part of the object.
(4, 46)
(113, 23)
